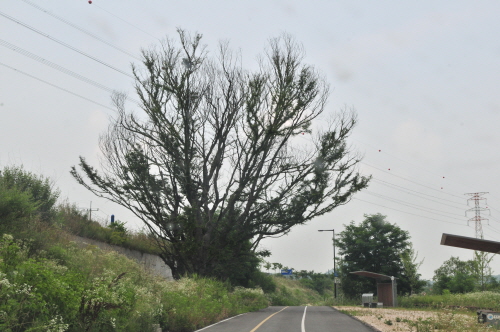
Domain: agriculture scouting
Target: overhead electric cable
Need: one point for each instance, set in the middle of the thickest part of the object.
(397, 158)
(57, 67)
(391, 173)
(65, 45)
(56, 86)
(121, 19)
(401, 177)
(414, 206)
(80, 29)
(408, 191)
(414, 214)
(414, 193)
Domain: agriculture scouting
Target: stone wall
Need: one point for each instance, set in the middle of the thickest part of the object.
(153, 263)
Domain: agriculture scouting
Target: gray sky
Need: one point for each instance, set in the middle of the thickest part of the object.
(423, 77)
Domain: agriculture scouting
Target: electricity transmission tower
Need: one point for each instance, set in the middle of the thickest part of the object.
(477, 197)
(90, 211)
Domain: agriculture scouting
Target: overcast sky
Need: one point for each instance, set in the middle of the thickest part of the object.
(423, 77)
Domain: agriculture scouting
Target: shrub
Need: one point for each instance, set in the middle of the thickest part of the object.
(262, 280)
(40, 189)
(15, 208)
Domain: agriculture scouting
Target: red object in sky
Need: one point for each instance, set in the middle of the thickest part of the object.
(90, 2)
(379, 150)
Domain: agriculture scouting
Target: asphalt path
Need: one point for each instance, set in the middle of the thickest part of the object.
(290, 319)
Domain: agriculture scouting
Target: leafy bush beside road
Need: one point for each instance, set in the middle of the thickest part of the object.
(48, 283)
(70, 289)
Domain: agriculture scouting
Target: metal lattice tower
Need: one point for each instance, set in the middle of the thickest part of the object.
(476, 197)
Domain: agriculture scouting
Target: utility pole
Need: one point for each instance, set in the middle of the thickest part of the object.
(90, 211)
(476, 197)
(334, 270)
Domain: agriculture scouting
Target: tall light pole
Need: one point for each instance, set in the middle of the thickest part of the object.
(334, 269)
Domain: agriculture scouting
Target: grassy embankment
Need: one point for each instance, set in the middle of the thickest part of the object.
(48, 283)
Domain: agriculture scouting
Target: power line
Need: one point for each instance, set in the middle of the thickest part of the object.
(128, 75)
(80, 29)
(396, 157)
(414, 214)
(56, 86)
(412, 205)
(58, 67)
(409, 192)
(65, 45)
(121, 19)
(414, 182)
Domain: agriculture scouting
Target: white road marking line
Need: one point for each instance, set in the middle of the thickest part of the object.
(303, 320)
(206, 327)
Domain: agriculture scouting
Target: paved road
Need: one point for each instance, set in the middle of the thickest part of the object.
(290, 319)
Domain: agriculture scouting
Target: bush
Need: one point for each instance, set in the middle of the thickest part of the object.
(66, 288)
(40, 189)
(15, 208)
(262, 280)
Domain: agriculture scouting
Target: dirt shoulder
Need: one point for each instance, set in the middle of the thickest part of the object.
(390, 320)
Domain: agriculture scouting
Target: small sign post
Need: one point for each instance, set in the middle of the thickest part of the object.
(288, 272)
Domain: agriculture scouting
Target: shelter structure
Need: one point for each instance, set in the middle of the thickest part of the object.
(470, 243)
(386, 287)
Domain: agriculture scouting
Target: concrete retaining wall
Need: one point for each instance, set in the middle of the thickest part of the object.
(153, 263)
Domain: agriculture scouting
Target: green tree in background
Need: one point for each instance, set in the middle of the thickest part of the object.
(456, 276)
(482, 269)
(211, 163)
(411, 266)
(374, 245)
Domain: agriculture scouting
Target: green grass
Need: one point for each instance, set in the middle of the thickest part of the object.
(477, 300)
(293, 293)
(65, 288)
(426, 313)
(72, 220)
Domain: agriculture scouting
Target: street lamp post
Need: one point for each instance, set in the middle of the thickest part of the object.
(334, 269)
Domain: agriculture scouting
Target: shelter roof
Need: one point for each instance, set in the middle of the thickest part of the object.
(470, 243)
(373, 275)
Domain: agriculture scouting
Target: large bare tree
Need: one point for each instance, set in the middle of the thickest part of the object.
(214, 162)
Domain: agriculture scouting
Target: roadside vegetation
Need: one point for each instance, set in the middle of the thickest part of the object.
(49, 283)
(487, 300)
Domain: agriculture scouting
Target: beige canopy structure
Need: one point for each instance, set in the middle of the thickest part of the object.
(470, 243)
(386, 287)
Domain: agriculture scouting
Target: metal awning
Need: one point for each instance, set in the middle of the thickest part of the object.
(470, 243)
(372, 275)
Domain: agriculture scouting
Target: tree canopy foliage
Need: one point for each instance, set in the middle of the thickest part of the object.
(457, 276)
(378, 246)
(213, 163)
